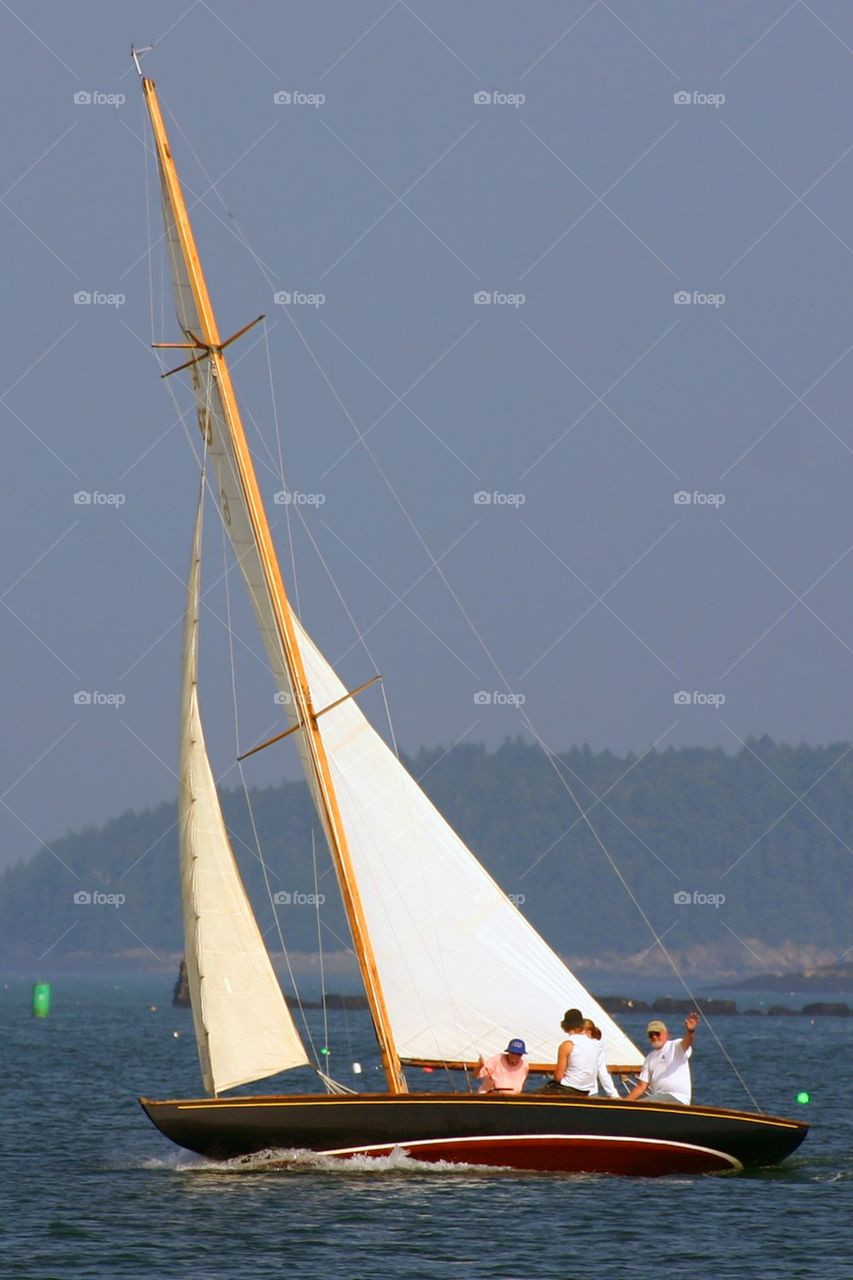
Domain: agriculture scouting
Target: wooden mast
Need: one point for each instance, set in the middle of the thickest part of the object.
(211, 344)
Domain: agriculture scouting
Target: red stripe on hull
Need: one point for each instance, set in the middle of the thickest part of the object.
(628, 1157)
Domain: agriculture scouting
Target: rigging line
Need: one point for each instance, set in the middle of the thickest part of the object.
(270, 282)
(334, 1086)
(435, 565)
(438, 569)
(268, 279)
(526, 719)
(327, 568)
(249, 805)
(320, 943)
(284, 483)
(360, 637)
(214, 187)
(552, 758)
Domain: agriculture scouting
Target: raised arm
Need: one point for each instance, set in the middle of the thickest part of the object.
(691, 1022)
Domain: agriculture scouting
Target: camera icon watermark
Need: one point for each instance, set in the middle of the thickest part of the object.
(696, 699)
(83, 898)
(295, 298)
(498, 499)
(682, 498)
(95, 698)
(682, 898)
(95, 98)
(283, 699)
(296, 98)
(97, 298)
(292, 498)
(497, 98)
(696, 298)
(695, 98)
(494, 297)
(94, 498)
(284, 898)
(497, 698)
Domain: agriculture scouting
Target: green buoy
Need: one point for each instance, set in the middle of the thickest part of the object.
(804, 1097)
(41, 999)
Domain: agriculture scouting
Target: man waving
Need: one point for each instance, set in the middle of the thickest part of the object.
(665, 1075)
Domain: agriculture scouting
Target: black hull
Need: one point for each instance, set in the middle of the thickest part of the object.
(528, 1131)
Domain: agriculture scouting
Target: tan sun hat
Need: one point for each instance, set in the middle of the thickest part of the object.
(656, 1025)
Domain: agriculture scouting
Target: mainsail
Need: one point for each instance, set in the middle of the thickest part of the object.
(461, 969)
(243, 1026)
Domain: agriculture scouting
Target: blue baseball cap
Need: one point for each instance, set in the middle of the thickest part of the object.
(516, 1046)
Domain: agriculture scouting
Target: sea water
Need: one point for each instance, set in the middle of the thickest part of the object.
(91, 1189)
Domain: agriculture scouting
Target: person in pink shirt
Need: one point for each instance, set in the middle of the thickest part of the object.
(506, 1072)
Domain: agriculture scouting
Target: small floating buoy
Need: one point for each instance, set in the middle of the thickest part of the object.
(325, 1052)
(152, 1008)
(41, 999)
(803, 1097)
(176, 1034)
(356, 1068)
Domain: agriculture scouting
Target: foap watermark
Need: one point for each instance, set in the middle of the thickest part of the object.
(684, 698)
(95, 698)
(497, 98)
(295, 298)
(96, 298)
(296, 98)
(696, 298)
(97, 98)
(284, 898)
(293, 498)
(495, 898)
(94, 498)
(497, 698)
(494, 297)
(83, 898)
(696, 98)
(682, 898)
(482, 498)
(682, 498)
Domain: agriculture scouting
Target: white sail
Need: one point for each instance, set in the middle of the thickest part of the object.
(462, 970)
(243, 1026)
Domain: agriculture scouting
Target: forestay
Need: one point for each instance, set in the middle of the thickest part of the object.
(243, 1026)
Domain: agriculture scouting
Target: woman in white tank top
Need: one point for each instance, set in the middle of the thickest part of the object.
(577, 1057)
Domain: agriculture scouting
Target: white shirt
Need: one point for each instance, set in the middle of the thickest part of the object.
(667, 1070)
(582, 1071)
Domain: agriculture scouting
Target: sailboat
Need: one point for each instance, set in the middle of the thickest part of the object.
(449, 964)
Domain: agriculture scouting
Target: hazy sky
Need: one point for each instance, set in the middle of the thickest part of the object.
(580, 198)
